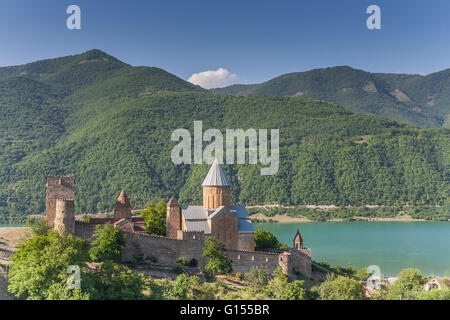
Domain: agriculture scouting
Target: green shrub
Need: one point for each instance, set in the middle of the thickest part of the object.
(108, 243)
(341, 288)
(257, 277)
(151, 260)
(38, 226)
(182, 261)
(177, 269)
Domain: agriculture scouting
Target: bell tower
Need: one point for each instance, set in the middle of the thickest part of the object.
(122, 207)
(298, 241)
(216, 188)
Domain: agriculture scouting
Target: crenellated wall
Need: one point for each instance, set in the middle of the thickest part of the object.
(299, 261)
(166, 250)
(84, 230)
(243, 261)
(190, 246)
(191, 235)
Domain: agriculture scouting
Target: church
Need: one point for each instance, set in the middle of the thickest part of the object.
(229, 224)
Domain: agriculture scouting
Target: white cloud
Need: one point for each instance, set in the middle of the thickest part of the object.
(213, 79)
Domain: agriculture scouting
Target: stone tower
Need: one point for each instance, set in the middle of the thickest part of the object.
(58, 188)
(122, 207)
(216, 188)
(64, 221)
(173, 219)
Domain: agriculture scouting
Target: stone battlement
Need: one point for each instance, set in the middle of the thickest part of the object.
(191, 235)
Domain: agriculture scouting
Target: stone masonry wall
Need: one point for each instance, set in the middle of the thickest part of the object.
(246, 242)
(166, 250)
(84, 230)
(243, 261)
(64, 221)
(300, 261)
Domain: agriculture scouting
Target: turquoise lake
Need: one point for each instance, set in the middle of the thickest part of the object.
(391, 245)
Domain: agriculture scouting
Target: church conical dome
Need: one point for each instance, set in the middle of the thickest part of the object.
(216, 177)
(123, 201)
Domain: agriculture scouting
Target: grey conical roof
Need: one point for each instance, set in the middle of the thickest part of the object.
(216, 176)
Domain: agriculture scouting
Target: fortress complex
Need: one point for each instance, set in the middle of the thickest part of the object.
(186, 228)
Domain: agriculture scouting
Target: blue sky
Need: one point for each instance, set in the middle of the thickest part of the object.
(255, 40)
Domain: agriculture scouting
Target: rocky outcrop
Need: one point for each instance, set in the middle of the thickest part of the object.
(6, 252)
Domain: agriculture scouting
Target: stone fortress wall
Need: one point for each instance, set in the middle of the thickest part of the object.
(168, 250)
(61, 216)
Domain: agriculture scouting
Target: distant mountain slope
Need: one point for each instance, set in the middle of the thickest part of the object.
(423, 101)
(112, 130)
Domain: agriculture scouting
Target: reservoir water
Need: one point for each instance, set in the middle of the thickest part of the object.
(391, 245)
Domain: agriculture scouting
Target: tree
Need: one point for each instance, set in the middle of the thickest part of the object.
(435, 294)
(39, 268)
(276, 286)
(257, 277)
(188, 288)
(218, 260)
(265, 240)
(38, 226)
(410, 282)
(362, 274)
(341, 288)
(155, 218)
(110, 281)
(108, 243)
(295, 290)
(178, 289)
(39, 271)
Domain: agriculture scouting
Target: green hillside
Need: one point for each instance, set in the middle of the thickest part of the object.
(415, 99)
(110, 125)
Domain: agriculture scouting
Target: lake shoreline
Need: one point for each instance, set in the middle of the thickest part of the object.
(259, 217)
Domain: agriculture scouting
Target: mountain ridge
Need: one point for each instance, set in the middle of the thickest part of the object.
(412, 98)
(112, 130)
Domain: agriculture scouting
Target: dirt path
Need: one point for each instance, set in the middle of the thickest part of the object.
(12, 237)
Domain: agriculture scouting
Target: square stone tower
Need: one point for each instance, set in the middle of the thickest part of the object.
(64, 221)
(58, 188)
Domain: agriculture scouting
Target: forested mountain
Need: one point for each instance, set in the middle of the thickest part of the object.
(419, 100)
(110, 124)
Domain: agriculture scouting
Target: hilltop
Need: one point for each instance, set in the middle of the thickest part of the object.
(110, 124)
(420, 100)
